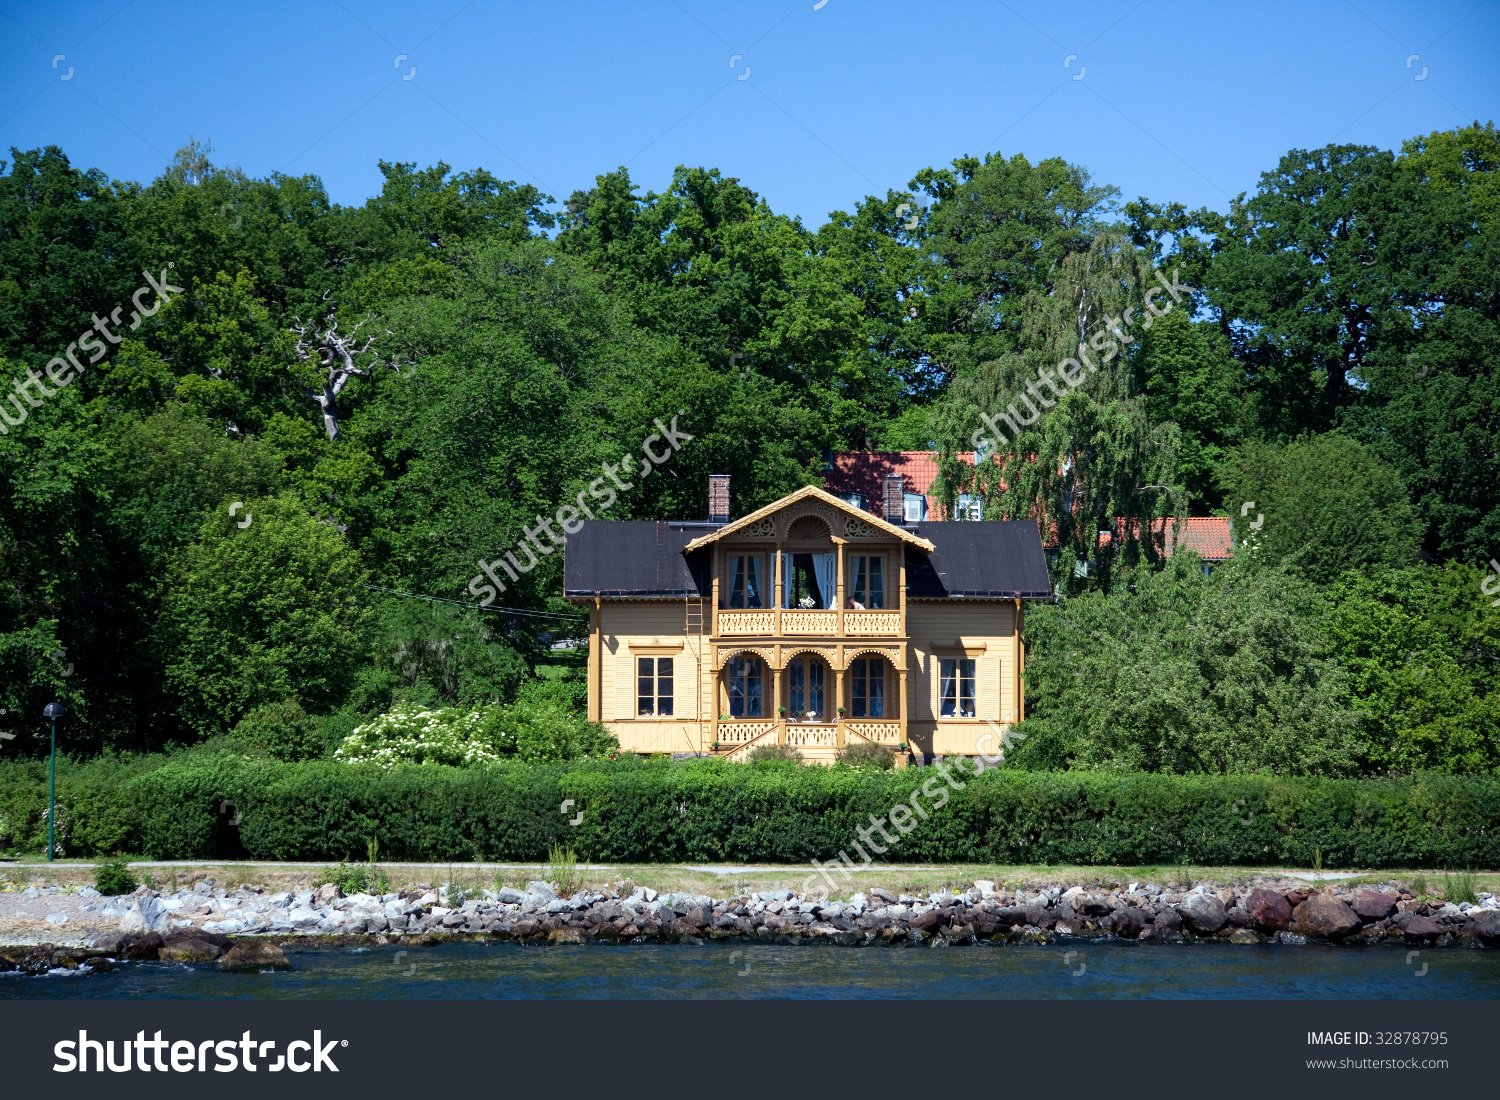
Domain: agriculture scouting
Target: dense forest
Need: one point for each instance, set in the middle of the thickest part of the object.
(241, 417)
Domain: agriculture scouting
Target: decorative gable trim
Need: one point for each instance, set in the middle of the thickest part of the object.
(764, 522)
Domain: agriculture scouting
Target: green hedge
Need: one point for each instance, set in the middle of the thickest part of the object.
(707, 810)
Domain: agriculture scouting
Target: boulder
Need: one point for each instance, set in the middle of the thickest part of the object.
(1324, 915)
(1420, 928)
(1090, 905)
(253, 956)
(1296, 897)
(1202, 913)
(1168, 920)
(1484, 923)
(925, 921)
(1270, 911)
(112, 944)
(146, 915)
(1243, 935)
(1238, 917)
(884, 895)
(189, 945)
(142, 946)
(1373, 905)
(1127, 923)
(536, 886)
(565, 934)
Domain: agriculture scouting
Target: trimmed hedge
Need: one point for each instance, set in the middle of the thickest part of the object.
(712, 811)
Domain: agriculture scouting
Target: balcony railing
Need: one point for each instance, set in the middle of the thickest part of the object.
(755, 623)
(882, 733)
(798, 621)
(866, 624)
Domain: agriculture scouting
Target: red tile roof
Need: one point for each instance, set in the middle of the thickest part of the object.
(863, 472)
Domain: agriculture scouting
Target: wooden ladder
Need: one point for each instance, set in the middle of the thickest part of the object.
(692, 632)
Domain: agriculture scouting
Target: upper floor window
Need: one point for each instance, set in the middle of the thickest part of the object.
(956, 687)
(968, 507)
(857, 500)
(868, 589)
(914, 507)
(653, 686)
(808, 580)
(745, 581)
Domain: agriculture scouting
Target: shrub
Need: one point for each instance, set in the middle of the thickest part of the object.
(112, 878)
(773, 753)
(408, 734)
(283, 731)
(866, 754)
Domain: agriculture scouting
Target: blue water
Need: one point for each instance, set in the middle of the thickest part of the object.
(1109, 969)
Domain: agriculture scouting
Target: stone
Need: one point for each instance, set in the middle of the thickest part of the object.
(924, 921)
(1324, 915)
(1420, 928)
(884, 895)
(328, 892)
(253, 956)
(88, 892)
(1090, 905)
(57, 918)
(1168, 920)
(511, 896)
(1243, 935)
(112, 943)
(1202, 913)
(1484, 923)
(192, 946)
(1238, 917)
(1270, 911)
(1373, 905)
(1296, 897)
(1127, 923)
(537, 886)
(304, 917)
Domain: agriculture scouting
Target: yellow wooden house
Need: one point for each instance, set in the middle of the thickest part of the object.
(810, 622)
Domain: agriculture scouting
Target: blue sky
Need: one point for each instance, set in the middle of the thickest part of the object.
(1173, 101)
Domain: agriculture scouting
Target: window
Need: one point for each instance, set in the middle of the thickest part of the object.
(869, 582)
(914, 507)
(969, 507)
(744, 687)
(868, 688)
(805, 688)
(956, 687)
(808, 580)
(653, 690)
(856, 500)
(745, 574)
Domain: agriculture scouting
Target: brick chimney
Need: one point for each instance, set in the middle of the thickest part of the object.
(718, 498)
(894, 510)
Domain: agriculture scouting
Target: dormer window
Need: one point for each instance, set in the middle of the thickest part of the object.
(968, 507)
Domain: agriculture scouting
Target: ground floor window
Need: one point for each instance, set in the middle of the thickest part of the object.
(805, 680)
(867, 687)
(956, 687)
(653, 690)
(745, 687)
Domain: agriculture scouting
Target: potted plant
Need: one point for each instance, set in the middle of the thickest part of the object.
(781, 711)
(841, 712)
(901, 747)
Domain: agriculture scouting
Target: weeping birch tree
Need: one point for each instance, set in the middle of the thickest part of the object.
(1060, 432)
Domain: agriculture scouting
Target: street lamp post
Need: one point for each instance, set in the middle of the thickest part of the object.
(53, 711)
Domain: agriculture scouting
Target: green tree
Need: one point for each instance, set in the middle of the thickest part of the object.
(1329, 504)
(1186, 673)
(259, 614)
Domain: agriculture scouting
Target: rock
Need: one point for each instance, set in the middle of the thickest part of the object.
(884, 895)
(89, 892)
(57, 918)
(924, 921)
(511, 896)
(1270, 911)
(1089, 905)
(189, 946)
(1202, 913)
(304, 917)
(1127, 923)
(1296, 897)
(112, 943)
(1324, 915)
(328, 891)
(1421, 928)
(1291, 937)
(1243, 935)
(146, 915)
(1168, 920)
(1373, 905)
(1484, 923)
(1238, 917)
(254, 956)
(537, 886)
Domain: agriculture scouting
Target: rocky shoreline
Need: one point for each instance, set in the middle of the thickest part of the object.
(242, 929)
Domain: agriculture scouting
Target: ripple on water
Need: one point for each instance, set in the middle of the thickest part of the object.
(1109, 969)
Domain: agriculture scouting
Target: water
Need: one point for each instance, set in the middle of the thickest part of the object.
(1109, 969)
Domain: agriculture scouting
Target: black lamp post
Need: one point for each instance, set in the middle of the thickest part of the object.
(53, 711)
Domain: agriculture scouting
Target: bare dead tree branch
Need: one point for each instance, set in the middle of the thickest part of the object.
(336, 354)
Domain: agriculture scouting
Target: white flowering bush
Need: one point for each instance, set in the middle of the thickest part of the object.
(409, 734)
(537, 729)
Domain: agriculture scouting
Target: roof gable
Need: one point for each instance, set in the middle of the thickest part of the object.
(812, 492)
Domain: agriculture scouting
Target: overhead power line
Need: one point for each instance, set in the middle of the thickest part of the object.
(476, 606)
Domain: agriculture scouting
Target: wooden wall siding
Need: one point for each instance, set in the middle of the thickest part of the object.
(933, 627)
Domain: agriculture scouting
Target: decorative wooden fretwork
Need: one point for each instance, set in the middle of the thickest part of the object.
(760, 529)
(743, 623)
(808, 529)
(809, 622)
(870, 624)
(859, 529)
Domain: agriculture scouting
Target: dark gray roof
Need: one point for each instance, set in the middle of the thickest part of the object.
(645, 558)
(989, 558)
(635, 558)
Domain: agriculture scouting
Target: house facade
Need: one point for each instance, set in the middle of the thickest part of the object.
(809, 622)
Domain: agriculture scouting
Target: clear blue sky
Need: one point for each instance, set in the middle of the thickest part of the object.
(1177, 101)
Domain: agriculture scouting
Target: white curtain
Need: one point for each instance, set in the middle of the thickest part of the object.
(786, 579)
(825, 567)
